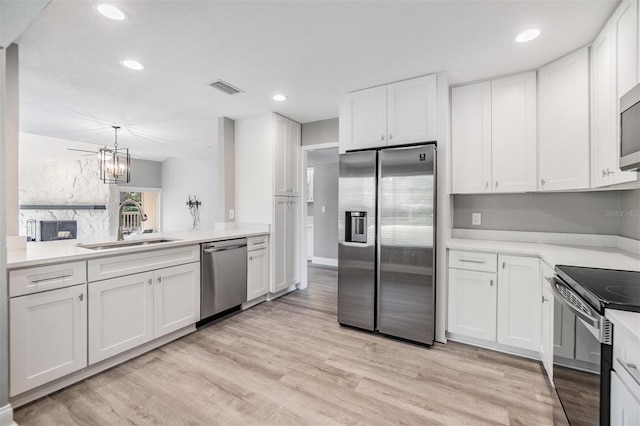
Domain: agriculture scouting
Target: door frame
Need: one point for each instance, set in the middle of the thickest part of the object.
(304, 153)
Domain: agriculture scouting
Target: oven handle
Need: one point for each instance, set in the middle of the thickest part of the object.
(588, 319)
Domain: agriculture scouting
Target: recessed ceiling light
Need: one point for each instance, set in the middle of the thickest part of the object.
(527, 35)
(279, 98)
(132, 64)
(110, 12)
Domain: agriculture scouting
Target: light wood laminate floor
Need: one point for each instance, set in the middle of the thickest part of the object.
(288, 362)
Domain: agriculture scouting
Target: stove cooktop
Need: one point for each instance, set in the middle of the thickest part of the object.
(604, 288)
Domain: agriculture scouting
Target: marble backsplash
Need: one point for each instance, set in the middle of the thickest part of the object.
(69, 183)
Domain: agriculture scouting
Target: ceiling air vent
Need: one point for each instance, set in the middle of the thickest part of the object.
(225, 87)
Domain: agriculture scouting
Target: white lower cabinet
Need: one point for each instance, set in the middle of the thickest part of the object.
(519, 302)
(48, 336)
(625, 406)
(176, 298)
(546, 320)
(257, 273)
(495, 298)
(120, 315)
(472, 303)
(127, 311)
(286, 242)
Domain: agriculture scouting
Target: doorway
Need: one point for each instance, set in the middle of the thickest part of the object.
(320, 211)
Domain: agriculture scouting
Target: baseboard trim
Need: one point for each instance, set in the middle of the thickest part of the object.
(326, 261)
(6, 416)
(494, 346)
(273, 296)
(253, 302)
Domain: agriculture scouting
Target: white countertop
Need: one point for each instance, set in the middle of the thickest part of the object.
(628, 320)
(49, 252)
(554, 254)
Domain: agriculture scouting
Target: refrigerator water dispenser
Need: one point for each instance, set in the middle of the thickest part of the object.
(356, 227)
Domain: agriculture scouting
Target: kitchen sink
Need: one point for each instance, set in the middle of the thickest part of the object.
(126, 243)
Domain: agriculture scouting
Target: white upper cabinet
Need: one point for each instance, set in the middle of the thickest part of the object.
(363, 119)
(471, 134)
(411, 111)
(563, 123)
(614, 70)
(625, 27)
(287, 168)
(396, 114)
(494, 135)
(513, 133)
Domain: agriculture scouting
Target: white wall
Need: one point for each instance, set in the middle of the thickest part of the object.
(181, 178)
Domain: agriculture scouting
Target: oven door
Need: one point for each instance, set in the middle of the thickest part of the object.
(582, 355)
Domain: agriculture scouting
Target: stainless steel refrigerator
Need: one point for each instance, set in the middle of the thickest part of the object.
(386, 240)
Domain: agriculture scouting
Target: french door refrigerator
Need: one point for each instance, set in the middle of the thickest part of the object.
(386, 240)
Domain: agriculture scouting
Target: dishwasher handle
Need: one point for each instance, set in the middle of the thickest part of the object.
(217, 249)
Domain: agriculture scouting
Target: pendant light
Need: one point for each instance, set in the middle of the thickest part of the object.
(115, 164)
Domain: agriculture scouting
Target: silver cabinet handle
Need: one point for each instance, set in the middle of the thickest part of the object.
(632, 369)
(606, 172)
(250, 257)
(57, 277)
(544, 299)
(542, 181)
(504, 265)
(491, 283)
(381, 137)
(480, 262)
(390, 136)
(486, 185)
(81, 297)
(496, 184)
(159, 279)
(150, 281)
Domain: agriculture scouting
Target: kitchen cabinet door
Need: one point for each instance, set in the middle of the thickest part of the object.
(363, 119)
(513, 133)
(293, 242)
(625, 406)
(47, 336)
(120, 315)
(412, 111)
(286, 242)
(519, 296)
(546, 325)
(287, 162)
(471, 138)
(563, 123)
(625, 27)
(625, 34)
(176, 298)
(604, 133)
(257, 273)
(279, 238)
(293, 160)
(472, 304)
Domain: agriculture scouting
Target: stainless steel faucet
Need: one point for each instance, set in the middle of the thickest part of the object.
(141, 213)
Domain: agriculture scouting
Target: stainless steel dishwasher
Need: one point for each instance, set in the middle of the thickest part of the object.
(224, 276)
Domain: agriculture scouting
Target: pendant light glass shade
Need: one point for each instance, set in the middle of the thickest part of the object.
(115, 163)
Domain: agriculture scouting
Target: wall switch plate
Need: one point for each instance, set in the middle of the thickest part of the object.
(324, 209)
(476, 218)
(232, 214)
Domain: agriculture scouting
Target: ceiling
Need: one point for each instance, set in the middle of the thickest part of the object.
(72, 85)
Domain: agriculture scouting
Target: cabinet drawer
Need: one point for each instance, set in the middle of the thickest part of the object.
(44, 278)
(257, 243)
(117, 266)
(473, 261)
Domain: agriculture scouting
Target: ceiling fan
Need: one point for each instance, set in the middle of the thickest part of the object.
(84, 150)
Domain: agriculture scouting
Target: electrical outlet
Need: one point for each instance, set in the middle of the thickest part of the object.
(476, 218)
(324, 209)
(232, 214)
